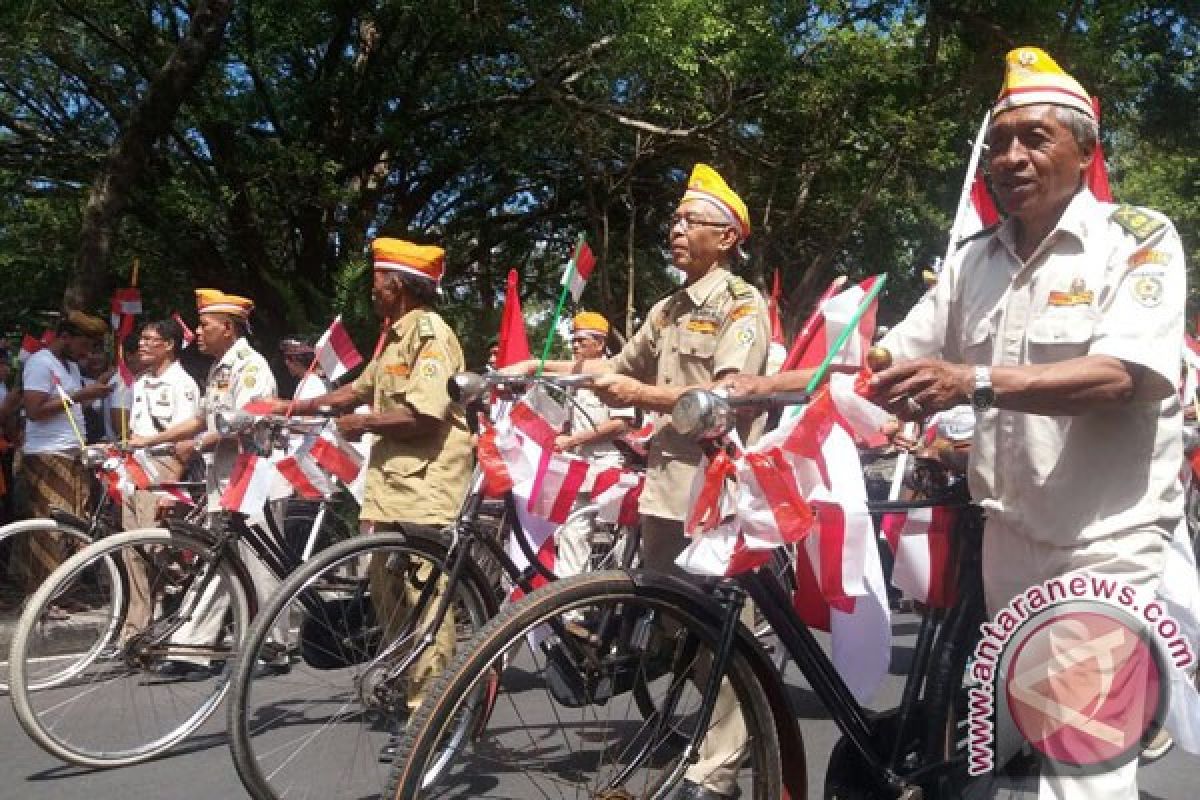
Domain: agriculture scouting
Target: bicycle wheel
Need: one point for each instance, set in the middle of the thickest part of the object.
(317, 730)
(562, 719)
(15, 596)
(119, 707)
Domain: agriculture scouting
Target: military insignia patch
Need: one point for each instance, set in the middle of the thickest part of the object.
(429, 368)
(745, 336)
(1147, 290)
(742, 311)
(1137, 222)
(425, 328)
(705, 326)
(1144, 257)
(1079, 295)
(399, 370)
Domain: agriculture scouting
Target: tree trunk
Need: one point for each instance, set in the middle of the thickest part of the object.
(128, 160)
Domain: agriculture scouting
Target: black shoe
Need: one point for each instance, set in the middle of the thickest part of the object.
(188, 671)
(694, 791)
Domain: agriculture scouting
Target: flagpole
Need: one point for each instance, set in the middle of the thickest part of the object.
(851, 327)
(67, 402)
(968, 182)
(133, 279)
(562, 300)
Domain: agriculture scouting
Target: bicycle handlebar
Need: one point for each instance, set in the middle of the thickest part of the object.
(703, 414)
(468, 387)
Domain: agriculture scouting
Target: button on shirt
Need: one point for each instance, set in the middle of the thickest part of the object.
(420, 478)
(718, 324)
(239, 376)
(1093, 287)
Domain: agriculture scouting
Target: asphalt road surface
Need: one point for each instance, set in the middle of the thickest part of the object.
(201, 768)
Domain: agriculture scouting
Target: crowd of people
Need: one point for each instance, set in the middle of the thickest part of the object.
(1047, 331)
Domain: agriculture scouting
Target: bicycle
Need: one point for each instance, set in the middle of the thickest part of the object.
(596, 741)
(116, 709)
(72, 533)
(320, 730)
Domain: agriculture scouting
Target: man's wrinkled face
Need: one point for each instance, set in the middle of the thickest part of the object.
(699, 236)
(1036, 164)
(212, 331)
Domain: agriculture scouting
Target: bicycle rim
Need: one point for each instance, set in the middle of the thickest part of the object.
(558, 732)
(317, 731)
(17, 597)
(117, 709)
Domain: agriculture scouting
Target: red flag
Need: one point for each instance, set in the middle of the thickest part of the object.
(557, 487)
(335, 351)
(616, 492)
(577, 278)
(514, 344)
(1097, 174)
(834, 314)
(305, 476)
(811, 325)
(29, 346)
(773, 311)
(984, 207)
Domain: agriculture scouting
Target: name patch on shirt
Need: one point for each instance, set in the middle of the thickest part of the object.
(1077, 295)
(399, 370)
(707, 326)
(1144, 257)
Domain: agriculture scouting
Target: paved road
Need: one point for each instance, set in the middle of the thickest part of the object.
(202, 770)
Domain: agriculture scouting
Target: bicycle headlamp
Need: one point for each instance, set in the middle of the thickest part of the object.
(701, 414)
(465, 387)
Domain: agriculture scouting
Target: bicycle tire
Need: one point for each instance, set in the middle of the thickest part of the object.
(66, 727)
(337, 756)
(511, 627)
(11, 531)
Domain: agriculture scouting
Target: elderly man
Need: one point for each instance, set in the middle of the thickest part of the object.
(716, 325)
(238, 376)
(53, 399)
(421, 461)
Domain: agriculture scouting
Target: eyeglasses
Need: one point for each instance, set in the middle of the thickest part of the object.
(688, 220)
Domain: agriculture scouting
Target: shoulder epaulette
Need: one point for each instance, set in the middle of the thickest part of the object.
(1137, 222)
(739, 288)
(988, 231)
(425, 328)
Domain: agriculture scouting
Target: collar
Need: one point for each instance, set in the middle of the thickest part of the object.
(405, 322)
(701, 290)
(231, 355)
(1074, 222)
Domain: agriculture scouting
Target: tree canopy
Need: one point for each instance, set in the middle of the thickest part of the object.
(258, 145)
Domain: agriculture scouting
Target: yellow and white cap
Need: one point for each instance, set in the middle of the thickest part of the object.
(1032, 77)
(706, 184)
(214, 301)
(590, 323)
(426, 261)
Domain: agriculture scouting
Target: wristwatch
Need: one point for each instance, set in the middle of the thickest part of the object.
(984, 396)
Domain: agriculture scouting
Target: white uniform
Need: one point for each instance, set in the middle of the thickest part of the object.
(1098, 490)
(238, 377)
(160, 401)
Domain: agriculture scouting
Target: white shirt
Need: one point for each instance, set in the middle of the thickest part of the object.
(241, 375)
(589, 412)
(160, 401)
(53, 434)
(1093, 287)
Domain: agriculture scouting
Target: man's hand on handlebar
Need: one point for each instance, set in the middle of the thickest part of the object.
(352, 426)
(744, 385)
(520, 368)
(916, 389)
(618, 391)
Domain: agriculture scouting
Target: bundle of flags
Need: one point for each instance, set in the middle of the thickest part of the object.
(801, 486)
(125, 472)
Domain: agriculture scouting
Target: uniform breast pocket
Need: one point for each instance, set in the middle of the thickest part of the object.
(698, 345)
(977, 342)
(1057, 337)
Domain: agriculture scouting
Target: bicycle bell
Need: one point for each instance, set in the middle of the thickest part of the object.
(465, 388)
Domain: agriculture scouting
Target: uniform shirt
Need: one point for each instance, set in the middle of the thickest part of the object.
(589, 412)
(55, 434)
(1107, 281)
(160, 401)
(421, 478)
(718, 324)
(239, 376)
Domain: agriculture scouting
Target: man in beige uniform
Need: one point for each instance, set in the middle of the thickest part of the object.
(421, 463)
(1060, 327)
(714, 326)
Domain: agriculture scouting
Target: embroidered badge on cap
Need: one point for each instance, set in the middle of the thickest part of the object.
(1147, 290)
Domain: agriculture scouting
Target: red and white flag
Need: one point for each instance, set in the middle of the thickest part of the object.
(249, 486)
(335, 351)
(557, 487)
(616, 493)
(836, 313)
(920, 540)
(579, 270)
(337, 456)
(305, 476)
(189, 335)
(126, 304)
